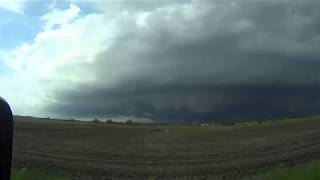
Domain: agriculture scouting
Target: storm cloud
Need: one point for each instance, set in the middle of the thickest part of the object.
(197, 60)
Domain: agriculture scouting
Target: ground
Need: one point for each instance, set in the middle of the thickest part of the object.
(85, 150)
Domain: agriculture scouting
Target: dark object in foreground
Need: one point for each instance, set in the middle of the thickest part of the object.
(6, 126)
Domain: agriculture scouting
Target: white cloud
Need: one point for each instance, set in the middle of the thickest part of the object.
(61, 17)
(13, 5)
(51, 60)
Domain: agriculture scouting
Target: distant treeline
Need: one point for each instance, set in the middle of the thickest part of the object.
(212, 123)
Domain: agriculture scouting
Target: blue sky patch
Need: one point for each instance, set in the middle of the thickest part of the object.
(5, 70)
(16, 28)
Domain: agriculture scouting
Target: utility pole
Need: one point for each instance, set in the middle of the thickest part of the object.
(6, 134)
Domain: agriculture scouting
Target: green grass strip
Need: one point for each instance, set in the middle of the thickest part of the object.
(36, 174)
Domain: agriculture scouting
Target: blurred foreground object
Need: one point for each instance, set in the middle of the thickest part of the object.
(6, 132)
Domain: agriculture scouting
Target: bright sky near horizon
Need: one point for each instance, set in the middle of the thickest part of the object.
(159, 59)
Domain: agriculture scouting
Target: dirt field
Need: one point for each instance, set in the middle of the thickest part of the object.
(120, 151)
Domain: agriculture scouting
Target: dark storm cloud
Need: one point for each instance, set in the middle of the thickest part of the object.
(246, 59)
(190, 103)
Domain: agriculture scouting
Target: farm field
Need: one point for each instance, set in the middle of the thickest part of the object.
(85, 150)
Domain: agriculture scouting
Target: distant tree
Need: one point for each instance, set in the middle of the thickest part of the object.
(129, 121)
(96, 120)
(109, 121)
(228, 123)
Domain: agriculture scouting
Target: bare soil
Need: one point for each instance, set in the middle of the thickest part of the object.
(84, 150)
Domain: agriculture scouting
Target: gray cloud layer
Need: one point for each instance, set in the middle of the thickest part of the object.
(206, 61)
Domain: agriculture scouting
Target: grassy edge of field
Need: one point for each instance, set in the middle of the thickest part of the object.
(37, 174)
(307, 171)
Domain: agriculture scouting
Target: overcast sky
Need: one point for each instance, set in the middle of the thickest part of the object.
(166, 60)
